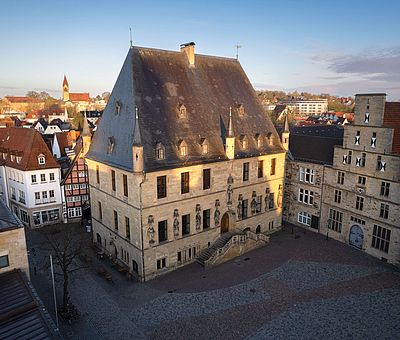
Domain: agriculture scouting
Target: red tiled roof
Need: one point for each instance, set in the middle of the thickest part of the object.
(13, 99)
(391, 119)
(29, 144)
(79, 97)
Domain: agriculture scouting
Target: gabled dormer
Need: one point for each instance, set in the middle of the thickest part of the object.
(204, 146)
(183, 148)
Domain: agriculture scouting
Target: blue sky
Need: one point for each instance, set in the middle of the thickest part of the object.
(340, 47)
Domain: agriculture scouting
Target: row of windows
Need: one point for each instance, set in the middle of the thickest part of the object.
(76, 186)
(43, 179)
(361, 161)
(21, 195)
(204, 145)
(41, 217)
(44, 196)
(357, 139)
(74, 212)
(116, 221)
(81, 198)
(385, 186)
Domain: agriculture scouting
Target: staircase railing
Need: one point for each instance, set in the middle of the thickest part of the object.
(236, 239)
(257, 236)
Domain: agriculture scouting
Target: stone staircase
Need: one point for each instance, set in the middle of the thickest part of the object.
(211, 250)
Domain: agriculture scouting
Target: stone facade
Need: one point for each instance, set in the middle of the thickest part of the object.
(13, 245)
(361, 199)
(303, 193)
(144, 210)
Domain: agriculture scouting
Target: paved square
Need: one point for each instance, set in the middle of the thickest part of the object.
(296, 287)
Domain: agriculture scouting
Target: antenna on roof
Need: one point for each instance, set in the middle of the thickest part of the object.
(130, 36)
(237, 50)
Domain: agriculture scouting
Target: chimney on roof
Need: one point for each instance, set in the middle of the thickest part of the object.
(188, 49)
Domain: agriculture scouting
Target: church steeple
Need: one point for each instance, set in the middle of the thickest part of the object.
(65, 89)
(137, 146)
(230, 138)
(285, 134)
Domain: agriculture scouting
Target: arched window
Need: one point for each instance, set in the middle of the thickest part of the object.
(183, 148)
(41, 159)
(160, 151)
(258, 229)
(182, 112)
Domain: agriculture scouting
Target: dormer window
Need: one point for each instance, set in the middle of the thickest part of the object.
(271, 138)
(110, 144)
(258, 139)
(41, 159)
(160, 151)
(118, 106)
(244, 142)
(204, 146)
(13, 158)
(183, 148)
(4, 155)
(240, 110)
(19, 158)
(182, 112)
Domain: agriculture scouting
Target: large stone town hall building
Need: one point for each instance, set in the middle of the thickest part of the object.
(186, 165)
(183, 153)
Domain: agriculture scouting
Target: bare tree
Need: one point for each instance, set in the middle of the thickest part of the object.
(66, 248)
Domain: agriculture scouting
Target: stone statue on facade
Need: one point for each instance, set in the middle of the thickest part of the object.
(216, 213)
(150, 230)
(176, 223)
(229, 192)
(198, 217)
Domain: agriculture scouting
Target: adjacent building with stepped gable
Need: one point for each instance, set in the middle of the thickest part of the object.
(361, 191)
(184, 163)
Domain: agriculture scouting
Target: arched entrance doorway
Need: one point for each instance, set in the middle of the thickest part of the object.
(356, 236)
(115, 252)
(225, 223)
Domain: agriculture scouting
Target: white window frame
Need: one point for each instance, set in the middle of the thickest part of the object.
(304, 218)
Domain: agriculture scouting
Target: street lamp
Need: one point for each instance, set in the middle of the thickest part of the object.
(329, 227)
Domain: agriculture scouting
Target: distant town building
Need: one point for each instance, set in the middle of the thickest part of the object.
(30, 177)
(196, 173)
(76, 180)
(14, 104)
(307, 107)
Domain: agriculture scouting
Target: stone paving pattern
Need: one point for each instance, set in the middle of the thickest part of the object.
(302, 287)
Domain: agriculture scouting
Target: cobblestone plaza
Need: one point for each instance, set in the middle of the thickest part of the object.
(299, 286)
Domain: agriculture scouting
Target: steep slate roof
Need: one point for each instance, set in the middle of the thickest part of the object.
(315, 144)
(157, 81)
(22, 315)
(42, 121)
(8, 220)
(391, 119)
(29, 144)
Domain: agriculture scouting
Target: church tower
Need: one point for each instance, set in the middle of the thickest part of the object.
(86, 136)
(137, 146)
(285, 134)
(65, 89)
(230, 138)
